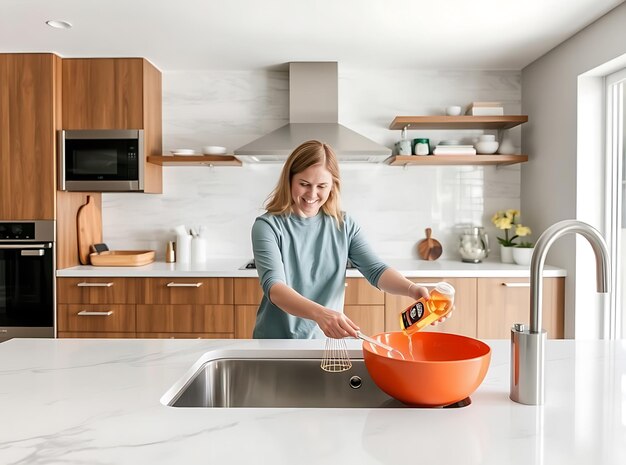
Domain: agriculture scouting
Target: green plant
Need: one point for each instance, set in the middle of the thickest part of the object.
(505, 220)
(525, 245)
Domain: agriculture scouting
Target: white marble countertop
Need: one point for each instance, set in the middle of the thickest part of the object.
(225, 268)
(74, 401)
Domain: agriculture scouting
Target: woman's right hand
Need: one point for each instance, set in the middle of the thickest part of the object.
(336, 325)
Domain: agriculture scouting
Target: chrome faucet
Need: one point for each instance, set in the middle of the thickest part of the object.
(527, 344)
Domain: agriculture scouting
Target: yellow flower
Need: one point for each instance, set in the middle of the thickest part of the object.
(507, 220)
(503, 223)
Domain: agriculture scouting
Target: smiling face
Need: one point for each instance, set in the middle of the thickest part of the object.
(310, 189)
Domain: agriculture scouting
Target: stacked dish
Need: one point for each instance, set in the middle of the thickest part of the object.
(213, 150)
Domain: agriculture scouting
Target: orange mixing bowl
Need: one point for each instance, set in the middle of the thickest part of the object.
(435, 369)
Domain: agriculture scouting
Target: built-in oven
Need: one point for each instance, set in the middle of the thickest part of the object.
(101, 160)
(27, 285)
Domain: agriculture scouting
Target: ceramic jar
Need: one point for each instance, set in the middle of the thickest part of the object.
(487, 144)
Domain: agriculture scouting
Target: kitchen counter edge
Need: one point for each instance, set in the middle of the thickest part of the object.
(231, 268)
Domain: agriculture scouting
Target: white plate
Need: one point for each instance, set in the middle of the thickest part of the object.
(183, 152)
(214, 150)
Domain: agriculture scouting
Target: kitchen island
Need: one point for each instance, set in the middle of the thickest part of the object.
(84, 401)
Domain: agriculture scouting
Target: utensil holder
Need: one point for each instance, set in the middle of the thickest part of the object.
(183, 249)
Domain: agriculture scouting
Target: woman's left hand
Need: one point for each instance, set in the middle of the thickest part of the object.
(443, 318)
(417, 292)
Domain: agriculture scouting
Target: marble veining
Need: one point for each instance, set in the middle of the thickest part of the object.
(107, 410)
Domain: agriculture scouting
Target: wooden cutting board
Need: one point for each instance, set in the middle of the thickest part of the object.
(429, 248)
(89, 224)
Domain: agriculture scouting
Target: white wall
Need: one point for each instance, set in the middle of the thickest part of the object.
(559, 177)
(392, 204)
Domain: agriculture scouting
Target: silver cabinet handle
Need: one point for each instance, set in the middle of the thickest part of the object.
(88, 313)
(32, 253)
(516, 284)
(184, 284)
(83, 284)
(26, 246)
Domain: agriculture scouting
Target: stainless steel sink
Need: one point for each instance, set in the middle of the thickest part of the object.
(280, 383)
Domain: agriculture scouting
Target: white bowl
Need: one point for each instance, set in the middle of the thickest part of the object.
(522, 256)
(453, 110)
(213, 150)
(486, 147)
(487, 138)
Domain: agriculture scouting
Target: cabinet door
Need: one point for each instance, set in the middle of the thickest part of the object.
(185, 318)
(360, 292)
(103, 93)
(200, 291)
(245, 319)
(463, 319)
(96, 318)
(505, 301)
(96, 290)
(370, 318)
(28, 98)
(247, 291)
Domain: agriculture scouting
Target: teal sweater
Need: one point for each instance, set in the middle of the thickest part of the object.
(309, 255)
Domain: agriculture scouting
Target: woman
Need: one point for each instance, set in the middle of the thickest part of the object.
(301, 247)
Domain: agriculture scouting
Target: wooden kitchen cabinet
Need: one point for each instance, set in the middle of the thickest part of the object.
(30, 99)
(96, 290)
(185, 319)
(97, 318)
(200, 291)
(462, 321)
(248, 295)
(505, 301)
(100, 307)
(364, 304)
(185, 307)
(116, 93)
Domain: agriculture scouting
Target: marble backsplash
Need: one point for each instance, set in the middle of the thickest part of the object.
(393, 205)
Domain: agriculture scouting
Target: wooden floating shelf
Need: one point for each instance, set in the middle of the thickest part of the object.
(190, 160)
(434, 160)
(458, 122)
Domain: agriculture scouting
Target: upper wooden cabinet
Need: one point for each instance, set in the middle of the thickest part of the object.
(29, 109)
(116, 93)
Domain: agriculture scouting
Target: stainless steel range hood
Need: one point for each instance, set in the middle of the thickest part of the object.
(313, 114)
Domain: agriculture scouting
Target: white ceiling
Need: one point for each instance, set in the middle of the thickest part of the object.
(255, 34)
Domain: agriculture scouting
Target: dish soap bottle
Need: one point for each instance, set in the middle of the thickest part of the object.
(424, 312)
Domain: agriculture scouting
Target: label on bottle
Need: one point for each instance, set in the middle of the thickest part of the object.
(413, 314)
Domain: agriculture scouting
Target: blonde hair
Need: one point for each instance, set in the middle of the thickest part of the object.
(307, 154)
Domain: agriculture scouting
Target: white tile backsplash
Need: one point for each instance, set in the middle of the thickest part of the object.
(393, 205)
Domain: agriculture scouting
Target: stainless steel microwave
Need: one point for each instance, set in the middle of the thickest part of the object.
(101, 160)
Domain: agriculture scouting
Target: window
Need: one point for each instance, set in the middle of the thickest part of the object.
(616, 198)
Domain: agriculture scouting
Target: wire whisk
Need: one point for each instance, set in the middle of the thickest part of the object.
(336, 358)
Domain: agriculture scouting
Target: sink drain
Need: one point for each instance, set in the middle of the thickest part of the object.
(355, 382)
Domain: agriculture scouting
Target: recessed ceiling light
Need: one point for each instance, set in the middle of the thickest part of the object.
(59, 24)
